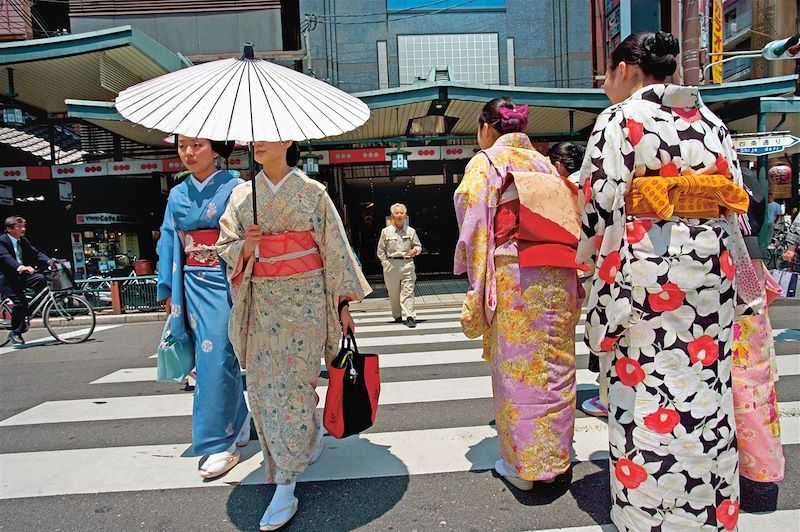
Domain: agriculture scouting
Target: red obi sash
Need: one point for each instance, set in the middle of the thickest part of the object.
(200, 247)
(541, 212)
(289, 253)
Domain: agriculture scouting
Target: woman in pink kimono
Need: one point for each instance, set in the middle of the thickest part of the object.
(523, 295)
(662, 192)
(758, 429)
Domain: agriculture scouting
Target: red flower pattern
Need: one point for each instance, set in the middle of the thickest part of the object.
(608, 344)
(637, 229)
(726, 265)
(704, 350)
(635, 131)
(662, 420)
(728, 514)
(610, 267)
(670, 298)
(629, 371)
(669, 170)
(630, 473)
(689, 115)
(722, 165)
(587, 191)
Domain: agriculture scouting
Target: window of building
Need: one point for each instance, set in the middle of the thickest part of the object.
(469, 57)
(437, 5)
(383, 66)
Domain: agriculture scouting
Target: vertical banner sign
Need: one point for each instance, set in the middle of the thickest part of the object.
(717, 38)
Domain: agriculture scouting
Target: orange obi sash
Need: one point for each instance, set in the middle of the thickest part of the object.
(200, 247)
(688, 196)
(289, 253)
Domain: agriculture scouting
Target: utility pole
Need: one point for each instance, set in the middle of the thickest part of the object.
(308, 24)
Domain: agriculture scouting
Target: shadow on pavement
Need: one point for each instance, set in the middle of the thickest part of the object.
(330, 505)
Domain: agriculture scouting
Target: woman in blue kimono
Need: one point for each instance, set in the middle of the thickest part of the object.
(192, 283)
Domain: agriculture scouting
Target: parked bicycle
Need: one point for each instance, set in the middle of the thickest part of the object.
(67, 316)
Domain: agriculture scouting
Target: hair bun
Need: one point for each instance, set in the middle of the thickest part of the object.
(665, 44)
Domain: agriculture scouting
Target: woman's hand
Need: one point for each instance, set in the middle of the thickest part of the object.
(168, 306)
(789, 254)
(346, 320)
(252, 237)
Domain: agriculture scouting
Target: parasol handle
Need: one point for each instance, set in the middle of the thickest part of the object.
(255, 210)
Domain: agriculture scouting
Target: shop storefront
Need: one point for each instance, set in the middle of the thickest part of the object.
(107, 244)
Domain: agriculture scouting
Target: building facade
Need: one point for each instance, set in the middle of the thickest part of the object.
(363, 45)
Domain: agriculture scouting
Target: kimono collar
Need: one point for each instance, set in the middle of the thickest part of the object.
(675, 96)
(514, 140)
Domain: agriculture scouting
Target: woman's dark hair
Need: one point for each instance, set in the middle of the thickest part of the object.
(223, 149)
(293, 154)
(568, 154)
(655, 53)
(491, 115)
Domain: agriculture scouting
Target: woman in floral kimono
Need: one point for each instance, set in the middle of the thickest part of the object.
(523, 298)
(292, 275)
(662, 186)
(758, 429)
(192, 283)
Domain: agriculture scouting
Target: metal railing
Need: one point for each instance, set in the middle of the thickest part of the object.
(121, 294)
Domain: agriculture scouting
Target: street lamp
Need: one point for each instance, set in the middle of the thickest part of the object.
(788, 48)
(399, 160)
(310, 163)
(12, 115)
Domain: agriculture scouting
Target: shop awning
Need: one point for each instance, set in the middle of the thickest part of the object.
(91, 66)
(553, 111)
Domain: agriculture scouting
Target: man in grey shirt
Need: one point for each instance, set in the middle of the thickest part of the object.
(397, 247)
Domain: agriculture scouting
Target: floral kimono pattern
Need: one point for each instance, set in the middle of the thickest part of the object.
(200, 309)
(758, 428)
(527, 317)
(282, 326)
(662, 307)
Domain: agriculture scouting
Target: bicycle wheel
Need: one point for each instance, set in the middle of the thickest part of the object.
(69, 318)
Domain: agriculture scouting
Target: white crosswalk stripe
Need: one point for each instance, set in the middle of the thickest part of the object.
(433, 372)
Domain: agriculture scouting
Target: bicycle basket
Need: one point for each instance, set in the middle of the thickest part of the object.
(60, 279)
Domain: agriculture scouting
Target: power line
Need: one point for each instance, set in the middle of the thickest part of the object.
(381, 12)
(327, 19)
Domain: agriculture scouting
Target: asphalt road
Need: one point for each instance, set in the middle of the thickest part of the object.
(405, 484)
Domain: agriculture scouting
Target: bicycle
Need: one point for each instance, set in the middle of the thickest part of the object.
(68, 317)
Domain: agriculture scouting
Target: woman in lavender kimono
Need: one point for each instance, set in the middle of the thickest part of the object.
(292, 275)
(523, 299)
(192, 282)
(662, 192)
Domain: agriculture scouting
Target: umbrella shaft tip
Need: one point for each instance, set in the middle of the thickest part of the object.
(248, 51)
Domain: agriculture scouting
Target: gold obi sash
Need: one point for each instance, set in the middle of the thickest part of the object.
(688, 196)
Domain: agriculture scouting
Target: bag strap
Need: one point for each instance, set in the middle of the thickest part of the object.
(350, 339)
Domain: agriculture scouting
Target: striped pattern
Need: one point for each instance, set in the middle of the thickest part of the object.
(435, 419)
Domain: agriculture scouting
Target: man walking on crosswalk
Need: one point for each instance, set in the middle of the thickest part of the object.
(397, 247)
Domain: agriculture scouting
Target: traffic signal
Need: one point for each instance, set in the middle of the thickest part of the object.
(783, 49)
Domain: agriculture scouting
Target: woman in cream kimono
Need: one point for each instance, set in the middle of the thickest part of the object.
(289, 274)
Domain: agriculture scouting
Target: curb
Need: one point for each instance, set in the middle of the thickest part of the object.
(365, 306)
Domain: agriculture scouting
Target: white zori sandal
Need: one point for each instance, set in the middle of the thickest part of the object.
(218, 464)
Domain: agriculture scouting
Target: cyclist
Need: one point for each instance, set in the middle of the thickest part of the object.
(18, 262)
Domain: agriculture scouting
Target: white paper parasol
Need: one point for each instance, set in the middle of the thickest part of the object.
(245, 99)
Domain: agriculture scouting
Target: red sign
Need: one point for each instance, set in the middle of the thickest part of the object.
(79, 170)
(173, 165)
(366, 155)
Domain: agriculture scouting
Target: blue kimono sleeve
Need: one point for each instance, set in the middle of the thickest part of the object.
(166, 259)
